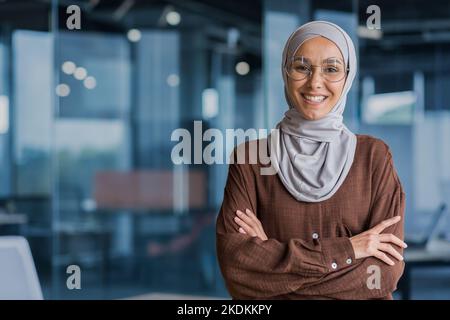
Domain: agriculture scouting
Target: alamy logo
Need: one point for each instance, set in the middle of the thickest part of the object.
(74, 20)
(220, 146)
(374, 21)
(74, 280)
(374, 280)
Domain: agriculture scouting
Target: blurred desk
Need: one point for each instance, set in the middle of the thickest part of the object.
(167, 209)
(436, 254)
(12, 223)
(12, 218)
(146, 190)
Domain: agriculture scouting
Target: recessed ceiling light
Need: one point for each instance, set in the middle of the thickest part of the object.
(68, 67)
(62, 90)
(242, 68)
(90, 82)
(173, 18)
(134, 35)
(80, 73)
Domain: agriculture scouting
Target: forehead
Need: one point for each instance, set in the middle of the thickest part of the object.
(319, 48)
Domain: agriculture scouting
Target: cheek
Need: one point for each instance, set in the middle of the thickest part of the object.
(336, 91)
(294, 88)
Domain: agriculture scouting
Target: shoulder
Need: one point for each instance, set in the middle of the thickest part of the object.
(375, 154)
(249, 152)
(374, 148)
(245, 160)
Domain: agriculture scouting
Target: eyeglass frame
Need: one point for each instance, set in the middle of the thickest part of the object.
(346, 70)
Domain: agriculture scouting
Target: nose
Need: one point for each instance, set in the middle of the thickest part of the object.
(315, 78)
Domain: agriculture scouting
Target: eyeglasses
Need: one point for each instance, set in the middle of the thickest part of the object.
(332, 69)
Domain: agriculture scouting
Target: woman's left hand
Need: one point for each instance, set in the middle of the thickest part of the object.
(249, 224)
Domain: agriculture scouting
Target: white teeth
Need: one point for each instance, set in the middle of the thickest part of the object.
(315, 98)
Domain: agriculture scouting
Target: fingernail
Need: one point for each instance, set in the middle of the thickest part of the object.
(236, 219)
(239, 212)
(241, 230)
(405, 245)
(247, 210)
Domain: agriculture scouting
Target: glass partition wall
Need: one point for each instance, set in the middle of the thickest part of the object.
(92, 95)
(132, 221)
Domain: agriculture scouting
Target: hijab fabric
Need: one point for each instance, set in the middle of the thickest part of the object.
(313, 157)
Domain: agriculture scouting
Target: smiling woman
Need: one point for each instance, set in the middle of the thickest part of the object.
(333, 211)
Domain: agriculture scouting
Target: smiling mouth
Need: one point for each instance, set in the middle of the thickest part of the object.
(313, 99)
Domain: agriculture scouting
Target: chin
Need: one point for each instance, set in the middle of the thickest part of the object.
(312, 114)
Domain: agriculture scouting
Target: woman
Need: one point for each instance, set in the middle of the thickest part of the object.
(328, 224)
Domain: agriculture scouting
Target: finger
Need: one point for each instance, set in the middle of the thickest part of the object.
(258, 223)
(257, 226)
(248, 229)
(252, 223)
(386, 223)
(244, 227)
(388, 237)
(242, 230)
(383, 257)
(389, 249)
(251, 214)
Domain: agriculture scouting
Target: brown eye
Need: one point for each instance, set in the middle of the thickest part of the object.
(300, 67)
(331, 69)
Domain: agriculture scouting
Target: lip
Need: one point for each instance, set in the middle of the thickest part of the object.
(313, 103)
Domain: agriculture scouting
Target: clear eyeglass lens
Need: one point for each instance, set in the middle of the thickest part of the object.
(332, 69)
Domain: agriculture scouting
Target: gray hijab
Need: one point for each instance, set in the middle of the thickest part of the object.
(313, 158)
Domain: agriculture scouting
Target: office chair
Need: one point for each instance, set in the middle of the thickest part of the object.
(18, 277)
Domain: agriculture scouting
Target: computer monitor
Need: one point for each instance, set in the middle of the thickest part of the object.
(18, 277)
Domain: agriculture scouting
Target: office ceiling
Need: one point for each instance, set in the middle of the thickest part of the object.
(413, 25)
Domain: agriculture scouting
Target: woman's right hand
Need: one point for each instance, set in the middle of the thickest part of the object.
(372, 243)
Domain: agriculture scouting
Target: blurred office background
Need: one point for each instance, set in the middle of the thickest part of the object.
(86, 118)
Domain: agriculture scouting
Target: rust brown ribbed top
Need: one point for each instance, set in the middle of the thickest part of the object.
(308, 254)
